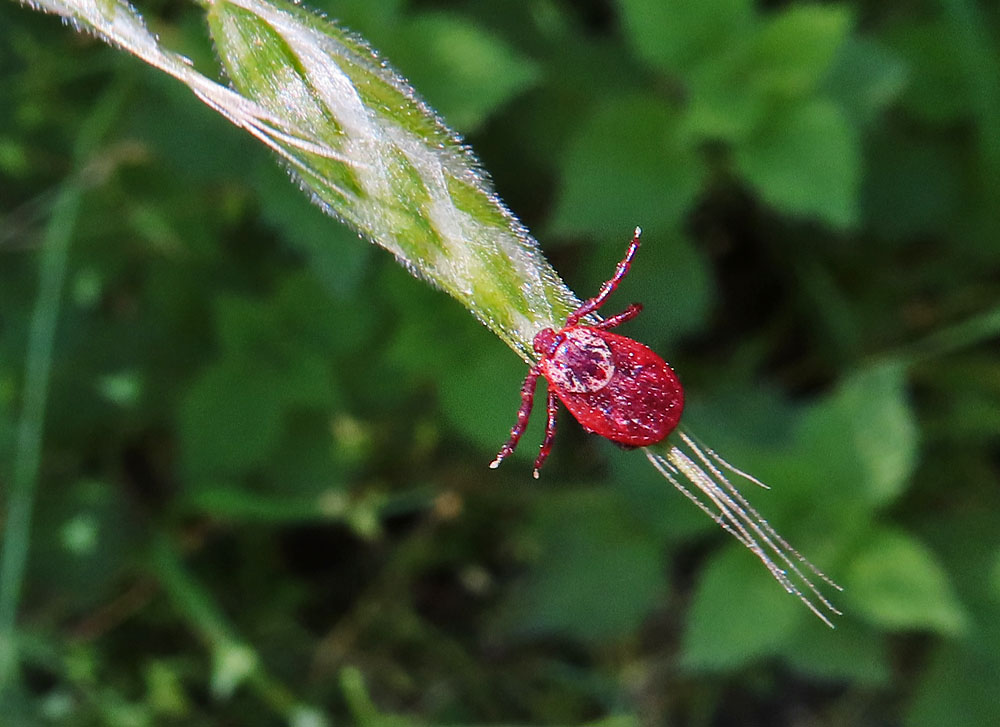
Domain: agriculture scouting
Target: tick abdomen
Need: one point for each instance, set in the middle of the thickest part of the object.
(641, 403)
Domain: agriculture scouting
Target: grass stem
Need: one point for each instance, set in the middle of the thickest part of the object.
(20, 502)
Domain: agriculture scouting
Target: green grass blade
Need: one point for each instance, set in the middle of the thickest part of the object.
(38, 364)
(395, 172)
(365, 147)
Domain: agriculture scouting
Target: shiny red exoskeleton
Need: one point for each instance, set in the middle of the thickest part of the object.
(614, 386)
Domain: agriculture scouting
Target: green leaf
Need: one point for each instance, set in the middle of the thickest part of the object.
(296, 321)
(725, 103)
(274, 361)
(830, 465)
(677, 35)
(806, 162)
(869, 419)
(738, 615)
(482, 398)
(83, 537)
(864, 78)
(938, 91)
(465, 73)
(231, 417)
(897, 583)
(653, 504)
(628, 165)
(994, 577)
(757, 76)
(243, 506)
(598, 574)
(866, 425)
(334, 252)
(794, 50)
(850, 653)
(949, 687)
(914, 186)
(956, 688)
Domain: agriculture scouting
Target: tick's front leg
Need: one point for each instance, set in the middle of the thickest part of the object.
(589, 306)
(626, 315)
(550, 431)
(527, 400)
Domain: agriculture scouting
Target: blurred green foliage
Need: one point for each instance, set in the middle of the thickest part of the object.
(263, 496)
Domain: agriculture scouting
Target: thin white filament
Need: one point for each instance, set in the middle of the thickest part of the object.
(733, 510)
(121, 25)
(701, 451)
(736, 516)
(278, 141)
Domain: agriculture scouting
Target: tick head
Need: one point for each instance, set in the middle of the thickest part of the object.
(545, 342)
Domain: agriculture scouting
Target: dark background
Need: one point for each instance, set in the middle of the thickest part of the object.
(263, 495)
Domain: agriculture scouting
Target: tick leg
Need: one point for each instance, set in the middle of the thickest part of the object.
(626, 315)
(527, 400)
(608, 288)
(550, 431)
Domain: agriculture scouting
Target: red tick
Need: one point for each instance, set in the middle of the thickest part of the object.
(614, 386)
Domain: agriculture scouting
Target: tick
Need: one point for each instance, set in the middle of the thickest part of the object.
(614, 386)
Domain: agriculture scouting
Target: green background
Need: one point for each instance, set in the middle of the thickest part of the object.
(263, 495)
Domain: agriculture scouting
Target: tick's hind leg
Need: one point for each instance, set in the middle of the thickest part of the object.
(608, 288)
(527, 400)
(550, 431)
(626, 315)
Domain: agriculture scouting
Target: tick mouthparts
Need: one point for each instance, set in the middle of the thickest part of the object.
(535, 474)
(495, 463)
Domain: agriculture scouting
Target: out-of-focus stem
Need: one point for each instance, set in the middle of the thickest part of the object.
(38, 364)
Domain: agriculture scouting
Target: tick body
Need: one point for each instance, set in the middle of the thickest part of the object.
(615, 387)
